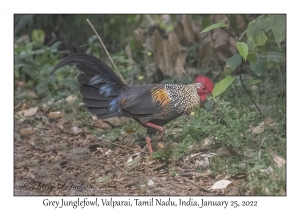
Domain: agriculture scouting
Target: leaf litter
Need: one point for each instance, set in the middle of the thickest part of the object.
(73, 161)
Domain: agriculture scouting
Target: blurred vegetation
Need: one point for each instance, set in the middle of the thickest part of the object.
(140, 46)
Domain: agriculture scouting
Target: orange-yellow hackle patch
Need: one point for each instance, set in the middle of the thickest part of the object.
(160, 95)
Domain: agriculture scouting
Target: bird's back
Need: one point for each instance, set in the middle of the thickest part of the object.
(158, 103)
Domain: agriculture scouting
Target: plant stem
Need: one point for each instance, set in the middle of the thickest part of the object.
(247, 90)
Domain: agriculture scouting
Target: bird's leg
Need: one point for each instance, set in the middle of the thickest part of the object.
(147, 138)
(157, 127)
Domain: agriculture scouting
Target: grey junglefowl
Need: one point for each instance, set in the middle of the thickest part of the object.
(152, 105)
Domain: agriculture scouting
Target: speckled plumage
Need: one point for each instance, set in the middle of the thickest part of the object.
(169, 100)
(152, 105)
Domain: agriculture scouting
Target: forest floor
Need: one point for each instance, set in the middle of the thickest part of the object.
(53, 157)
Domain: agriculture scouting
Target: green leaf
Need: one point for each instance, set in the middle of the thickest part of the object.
(213, 26)
(243, 49)
(38, 36)
(257, 29)
(255, 81)
(278, 25)
(258, 67)
(232, 63)
(55, 45)
(222, 85)
(252, 57)
(251, 45)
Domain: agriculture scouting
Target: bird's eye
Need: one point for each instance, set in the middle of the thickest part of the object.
(199, 85)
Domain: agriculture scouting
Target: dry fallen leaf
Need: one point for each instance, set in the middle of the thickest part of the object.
(160, 145)
(27, 131)
(257, 129)
(203, 162)
(225, 151)
(278, 160)
(269, 170)
(133, 160)
(100, 123)
(268, 121)
(206, 144)
(76, 130)
(28, 112)
(221, 184)
(129, 130)
(70, 99)
(29, 94)
(55, 115)
(107, 153)
(104, 179)
(150, 182)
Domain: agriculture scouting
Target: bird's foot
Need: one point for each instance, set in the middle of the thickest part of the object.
(157, 127)
(161, 134)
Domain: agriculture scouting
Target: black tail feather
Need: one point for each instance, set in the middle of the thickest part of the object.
(109, 115)
(99, 110)
(99, 83)
(86, 63)
(95, 103)
(93, 93)
(83, 79)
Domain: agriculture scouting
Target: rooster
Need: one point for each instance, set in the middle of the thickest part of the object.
(152, 105)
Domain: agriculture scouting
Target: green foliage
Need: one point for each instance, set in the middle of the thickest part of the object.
(38, 36)
(33, 63)
(243, 49)
(278, 25)
(258, 66)
(213, 26)
(260, 59)
(232, 63)
(225, 125)
(223, 85)
(162, 155)
(258, 28)
(252, 57)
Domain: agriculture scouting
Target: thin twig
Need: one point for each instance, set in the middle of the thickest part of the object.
(205, 190)
(117, 71)
(160, 166)
(120, 145)
(179, 63)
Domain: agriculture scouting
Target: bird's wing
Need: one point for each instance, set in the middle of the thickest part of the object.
(144, 100)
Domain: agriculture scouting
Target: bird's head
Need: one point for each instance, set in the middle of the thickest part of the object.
(204, 86)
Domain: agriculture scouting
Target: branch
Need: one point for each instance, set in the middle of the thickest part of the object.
(117, 71)
(201, 188)
(129, 148)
